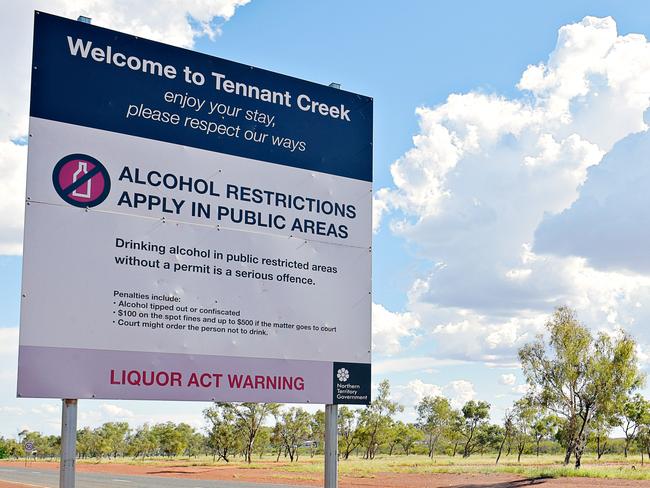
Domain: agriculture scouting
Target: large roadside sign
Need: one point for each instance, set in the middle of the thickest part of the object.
(195, 228)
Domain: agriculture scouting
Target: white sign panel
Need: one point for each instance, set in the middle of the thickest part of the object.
(195, 229)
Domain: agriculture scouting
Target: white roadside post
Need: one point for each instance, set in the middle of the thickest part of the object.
(331, 446)
(68, 444)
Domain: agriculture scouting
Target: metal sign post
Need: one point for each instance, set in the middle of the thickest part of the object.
(68, 444)
(331, 426)
(331, 446)
(29, 450)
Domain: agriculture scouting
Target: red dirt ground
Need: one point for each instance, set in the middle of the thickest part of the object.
(380, 480)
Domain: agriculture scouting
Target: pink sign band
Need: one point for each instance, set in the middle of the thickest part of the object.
(55, 372)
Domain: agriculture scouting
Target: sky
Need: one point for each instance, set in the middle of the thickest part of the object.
(510, 173)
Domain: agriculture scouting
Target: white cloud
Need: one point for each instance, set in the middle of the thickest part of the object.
(115, 411)
(173, 22)
(13, 160)
(379, 207)
(12, 410)
(609, 224)
(642, 355)
(508, 379)
(521, 389)
(596, 82)
(476, 337)
(45, 409)
(94, 414)
(413, 392)
(8, 340)
(485, 171)
(460, 392)
(410, 363)
(390, 328)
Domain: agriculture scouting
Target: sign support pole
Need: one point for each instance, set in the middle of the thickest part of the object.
(331, 446)
(332, 427)
(68, 444)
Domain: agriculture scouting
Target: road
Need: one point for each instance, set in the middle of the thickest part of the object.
(50, 479)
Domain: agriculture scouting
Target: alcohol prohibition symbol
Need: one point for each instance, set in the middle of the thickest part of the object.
(81, 180)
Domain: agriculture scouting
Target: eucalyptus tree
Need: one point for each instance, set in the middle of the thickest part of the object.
(602, 427)
(578, 376)
(141, 442)
(317, 427)
(349, 435)
(475, 415)
(434, 419)
(544, 426)
(376, 419)
(508, 428)
(523, 420)
(408, 435)
(249, 418)
(224, 437)
(294, 429)
(635, 410)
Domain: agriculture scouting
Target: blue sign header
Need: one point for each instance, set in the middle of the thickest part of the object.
(94, 77)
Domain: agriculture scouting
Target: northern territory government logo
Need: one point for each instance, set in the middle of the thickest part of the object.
(81, 180)
(351, 383)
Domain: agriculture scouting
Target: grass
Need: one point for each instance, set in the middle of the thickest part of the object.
(546, 466)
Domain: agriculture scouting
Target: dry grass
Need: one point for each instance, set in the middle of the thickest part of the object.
(530, 466)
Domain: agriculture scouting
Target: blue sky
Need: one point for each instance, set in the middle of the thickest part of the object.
(472, 251)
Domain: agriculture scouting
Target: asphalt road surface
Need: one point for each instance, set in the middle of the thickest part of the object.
(50, 479)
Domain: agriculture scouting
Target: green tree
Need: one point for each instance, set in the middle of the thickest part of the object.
(113, 438)
(434, 418)
(85, 442)
(277, 443)
(602, 425)
(172, 439)
(631, 417)
(376, 419)
(543, 427)
(294, 429)
(643, 435)
(455, 432)
(223, 435)
(392, 437)
(142, 442)
(579, 377)
(14, 448)
(192, 440)
(475, 415)
(507, 431)
(262, 440)
(45, 446)
(407, 436)
(249, 417)
(198, 445)
(643, 441)
(488, 437)
(349, 438)
(523, 419)
(317, 427)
